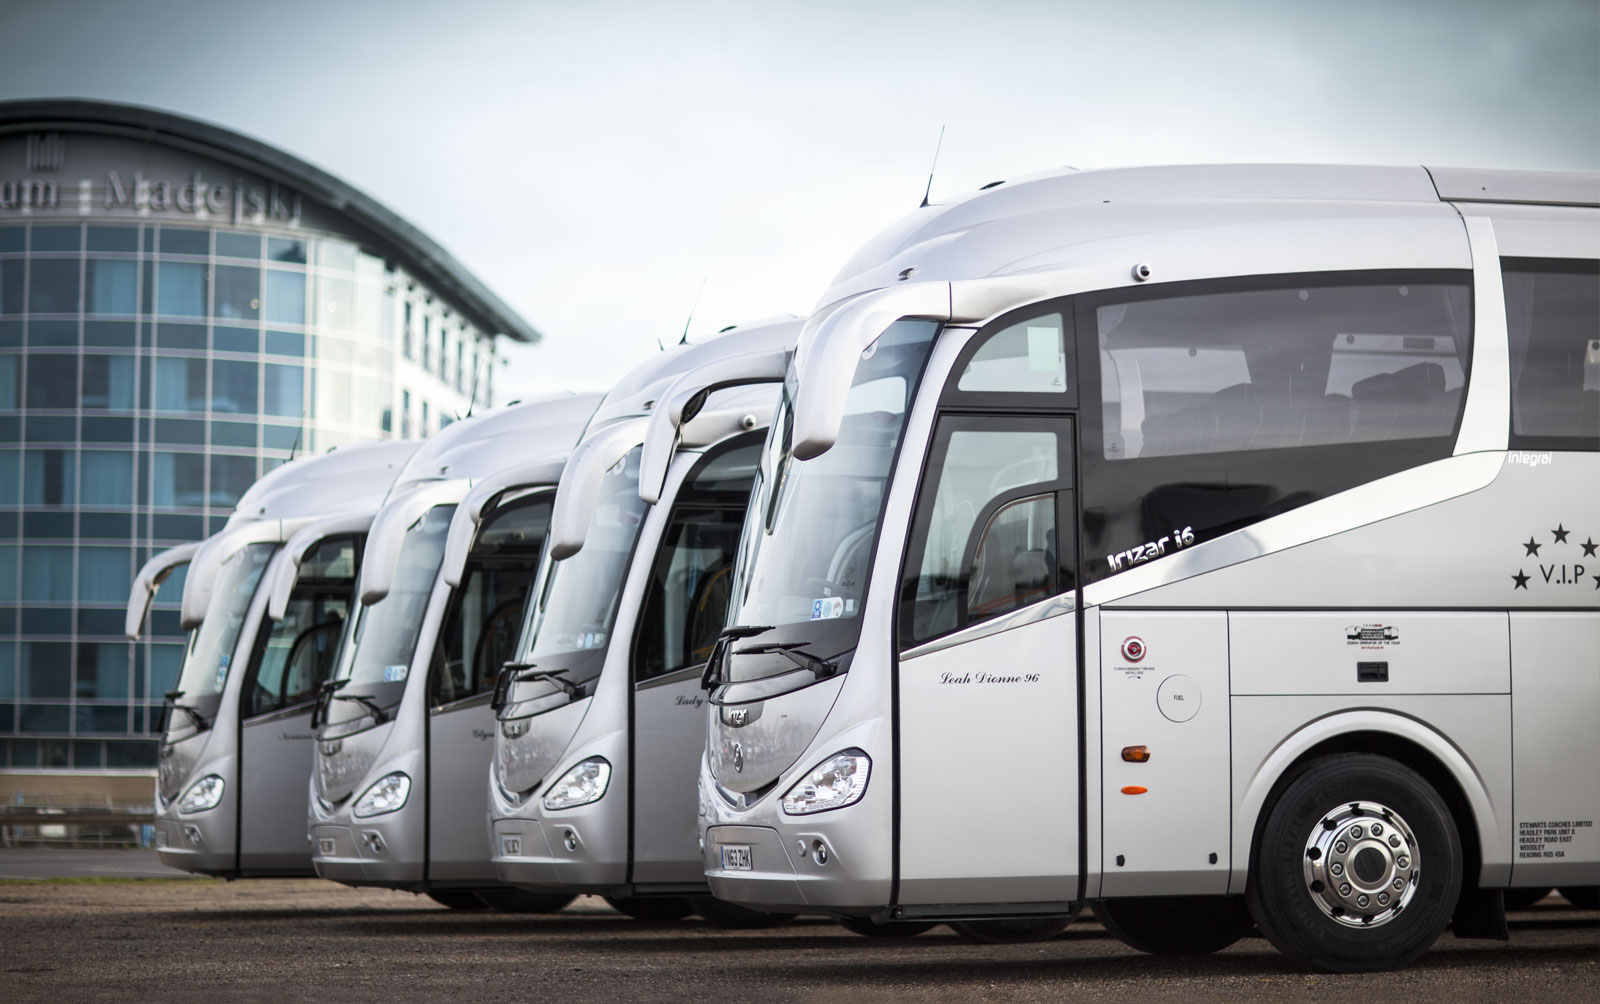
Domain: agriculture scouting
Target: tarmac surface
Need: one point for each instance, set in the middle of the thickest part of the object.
(183, 939)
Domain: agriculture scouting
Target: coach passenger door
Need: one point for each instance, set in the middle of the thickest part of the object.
(987, 630)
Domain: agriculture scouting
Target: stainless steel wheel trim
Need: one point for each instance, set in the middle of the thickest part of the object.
(1373, 890)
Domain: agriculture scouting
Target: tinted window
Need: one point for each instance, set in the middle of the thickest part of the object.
(984, 540)
(1027, 357)
(53, 286)
(485, 613)
(293, 659)
(52, 381)
(1226, 402)
(686, 604)
(1553, 322)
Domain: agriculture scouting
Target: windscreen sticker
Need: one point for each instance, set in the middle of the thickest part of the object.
(827, 608)
(394, 674)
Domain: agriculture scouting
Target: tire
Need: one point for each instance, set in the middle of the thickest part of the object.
(457, 899)
(1522, 899)
(512, 900)
(1011, 930)
(1324, 825)
(891, 929)
(651, 907)
(1176, 925)
(734, 917)
(1584, 897)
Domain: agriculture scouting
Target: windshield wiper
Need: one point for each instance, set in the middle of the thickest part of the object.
(709, 678)
(200, 721)
(365, 700)
(523, 672)
(797, 654)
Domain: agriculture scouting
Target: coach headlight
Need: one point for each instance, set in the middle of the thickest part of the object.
(387, 794)
(839, 781)
(581, 785)
(202, 795)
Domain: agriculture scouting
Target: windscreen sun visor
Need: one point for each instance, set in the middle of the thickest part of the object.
(148, 581)
(579, 490)
(483, 497)
(685, 400)
(215, 552)
(286, 570)
(382, 554)
(834, 338)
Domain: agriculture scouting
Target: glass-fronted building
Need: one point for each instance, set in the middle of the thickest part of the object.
(182, 309)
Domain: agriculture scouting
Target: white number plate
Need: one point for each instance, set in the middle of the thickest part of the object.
(325, 846)
(510, 847)
(735, 857)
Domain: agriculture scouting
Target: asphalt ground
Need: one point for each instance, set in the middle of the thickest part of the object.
(184, 939)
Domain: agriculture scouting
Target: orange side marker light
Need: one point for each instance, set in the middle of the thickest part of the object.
(1134, 789)
(1136, 754)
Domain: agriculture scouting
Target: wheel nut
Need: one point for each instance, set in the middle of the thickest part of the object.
(1336, 868)
(1399, 884)
(1377, 829)
(1361, 900)
(1383, 899)
(1344, 890)
(1355, 833)
(1394, 841)
(1403, 862)
(1341, 847)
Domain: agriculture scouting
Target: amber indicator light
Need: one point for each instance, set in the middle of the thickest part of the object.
(1134, 789)
(1136, 754)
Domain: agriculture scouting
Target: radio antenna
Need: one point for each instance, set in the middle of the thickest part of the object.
(296, 447)
(684, 339)
(931, 167)
(476, 369)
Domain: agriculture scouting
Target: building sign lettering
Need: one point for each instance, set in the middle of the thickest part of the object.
(235, 199)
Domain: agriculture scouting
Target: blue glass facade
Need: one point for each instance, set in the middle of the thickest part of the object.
(150, 370)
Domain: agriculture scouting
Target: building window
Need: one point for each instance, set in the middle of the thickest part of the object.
(48, 478)
(286, 297)
(181, 291)
(113, 286)
(52, 381)
(107, 382)
(233, 387)
(285, 390)
(53, 286)
(180, 384)
(405, 414)
(107, 478)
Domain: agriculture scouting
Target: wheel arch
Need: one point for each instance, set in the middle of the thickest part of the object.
(1398, 737)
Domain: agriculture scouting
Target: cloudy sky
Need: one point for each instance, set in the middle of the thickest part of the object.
(593, 161)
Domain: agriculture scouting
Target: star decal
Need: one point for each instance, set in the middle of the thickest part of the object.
(1597, 581)
(1533, 547)
(1589, 547)
(1560, 533)
(1522, 580)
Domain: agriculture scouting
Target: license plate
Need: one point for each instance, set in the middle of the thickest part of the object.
(325, 846)
(510, 847)
(735, 857)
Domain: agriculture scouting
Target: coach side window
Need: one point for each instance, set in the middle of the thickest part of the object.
(1553, 323)
(1221, 403)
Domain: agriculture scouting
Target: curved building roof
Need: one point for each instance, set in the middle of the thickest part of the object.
(407, 246)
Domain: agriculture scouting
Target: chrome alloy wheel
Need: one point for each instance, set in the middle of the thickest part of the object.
(1361, 864)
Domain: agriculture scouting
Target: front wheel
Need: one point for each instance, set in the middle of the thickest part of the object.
(509, 900)
(651, 907)
(1011, 930)
(1176, 925)
(868, 928)
(734, 917)
(1358, 866)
